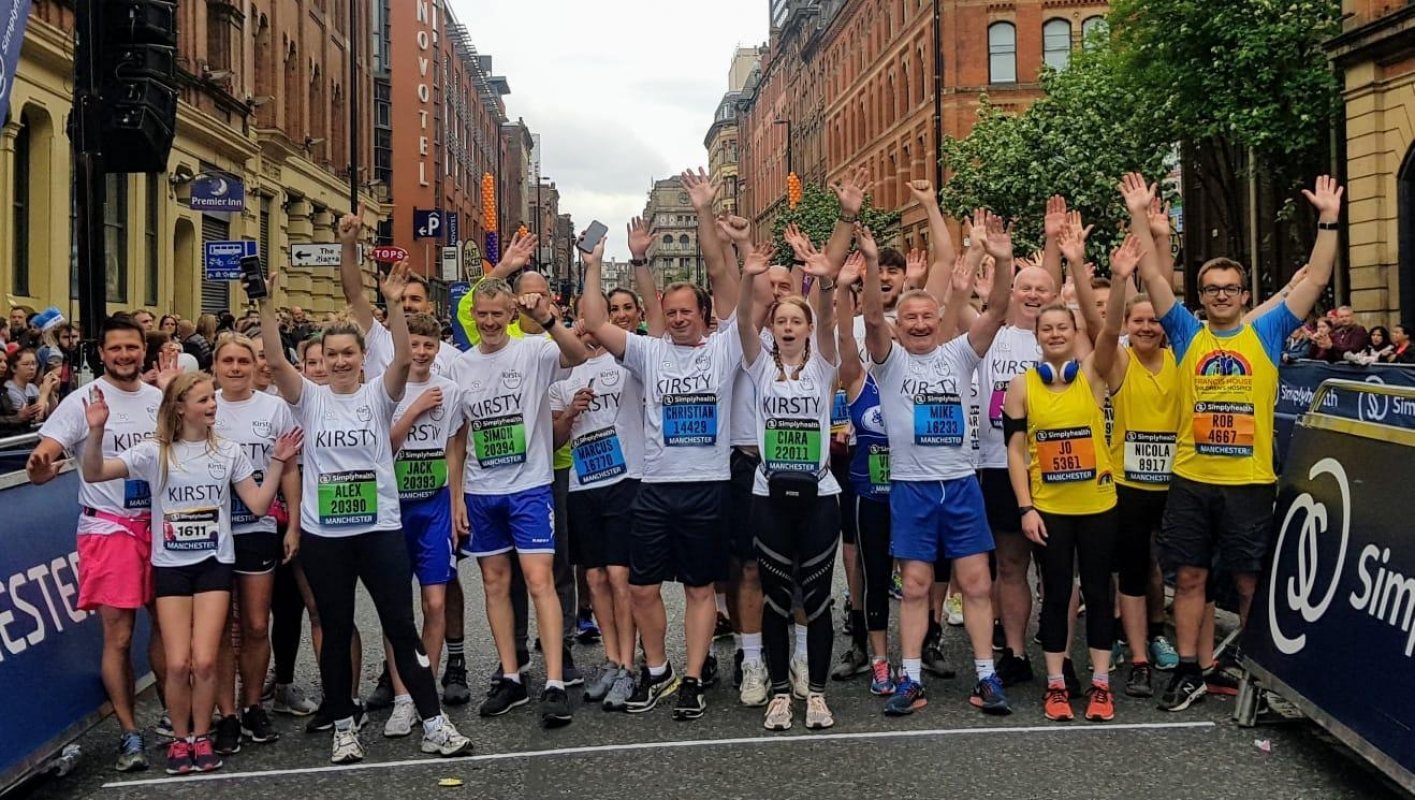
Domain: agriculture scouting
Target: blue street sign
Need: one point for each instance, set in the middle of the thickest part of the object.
(427, 223)
(223, 259)
(454, 228)
(218, 192)
(13, 14)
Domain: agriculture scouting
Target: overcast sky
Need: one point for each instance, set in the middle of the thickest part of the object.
(620, 91)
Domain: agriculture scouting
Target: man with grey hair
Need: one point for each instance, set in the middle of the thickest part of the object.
(1347, 335)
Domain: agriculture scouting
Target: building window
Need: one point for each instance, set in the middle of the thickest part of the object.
(1056, 43)
(218, 36)
(115, 238)
(683, 240)
(150, 241)
(20, 282)
(668, 239)
(1093, 25)
(1002, 53)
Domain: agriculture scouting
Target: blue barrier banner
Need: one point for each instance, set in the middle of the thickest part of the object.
(455, 293)
(13, 15)
(1338, 601)
(49, 649)
(1297, 385)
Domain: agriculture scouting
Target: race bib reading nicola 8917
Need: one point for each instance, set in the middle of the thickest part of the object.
(348, 498)
(499, 442)
(792, 444)
(689, 420)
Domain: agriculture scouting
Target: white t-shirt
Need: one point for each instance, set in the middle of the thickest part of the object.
(506, 405)
(191, 511)
(793, 423)
(606, 439)
(744, 402)
(132, 418)
(687, 404)
(378, 354)
(253, 425)
(21, 396)
(1013, 352)
(421, 465)
(922, 398)
(347, 482)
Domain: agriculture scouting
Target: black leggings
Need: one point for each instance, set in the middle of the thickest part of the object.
(1140, 514)
(287, 611)
(1090, 540)
(796, 545)
(334, 566)
(872, 531)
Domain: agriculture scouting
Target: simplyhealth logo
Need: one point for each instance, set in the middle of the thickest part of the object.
(1302, 587)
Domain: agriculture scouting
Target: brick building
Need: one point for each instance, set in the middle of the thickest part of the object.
(723, 139)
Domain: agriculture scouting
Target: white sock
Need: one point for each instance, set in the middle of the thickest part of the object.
(514, 677)
(658, 671)
(984, 667)
(751, 648)
(914, 668)
(403, 700)
(801, 631)
(722, 603)
(430, 725)
(550, 684)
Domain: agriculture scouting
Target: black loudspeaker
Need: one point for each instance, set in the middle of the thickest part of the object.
(139, 84)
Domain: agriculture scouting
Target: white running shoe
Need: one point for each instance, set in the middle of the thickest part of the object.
(754, 684)
(347, 747)
(445, 740)
(954, 606)
(400, 722)
(778, 714)
(818, 714)
(800, 677)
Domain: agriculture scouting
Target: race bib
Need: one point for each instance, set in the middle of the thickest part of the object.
(1109, 419)
(938, 420)
(421, 473)
(689, 420)
(792, 444)
(1067, 455)
(499, 442)
(879, 466)
(348, 498)
(137, 495)
(973, 412)
(999, 394)
(1224, 429)
(597, 456)
(839, 412)
(1148, 457)
(191, 531)
(240, 513)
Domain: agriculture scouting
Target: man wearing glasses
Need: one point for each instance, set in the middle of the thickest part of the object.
(1221, 499)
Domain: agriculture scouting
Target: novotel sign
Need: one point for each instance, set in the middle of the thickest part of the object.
(426, 37)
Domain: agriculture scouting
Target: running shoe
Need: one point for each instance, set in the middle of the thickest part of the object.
(204, 757)
(504, 695)
(934, 662)
(571, 674)
(323, 722)
(1068, 673)
(953, 607)
(620, 691)
(1013, 669)
(896, 586)
(400, 723)
(754, 685)
(778, 714)
(881, 679)
(445, 741)
(523, 660)
(691, 703)
(382, 695)
(347, 748)
(710, 676)
(1217, 680)
(737, 668)
(908, 697)
(287, 698)
(227, 740)
(600, 682)
(999, 636)
(853, 661)
(800, 676)
(163, 728)
(650, 690)
(723, 629)
(267, 689)
(988, 696)
(818, 716)
(1185, 689)
(554, 708)
(255, 725)
(1162, 654)
(1056, 705)
(1141, 681)
(131, 757)
(1102, 705)
(179, 757)
(586, 631)
(454, 685)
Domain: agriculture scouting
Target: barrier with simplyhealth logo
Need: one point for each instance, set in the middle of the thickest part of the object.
(1337, 603)
(49, 649)
(1297, 386)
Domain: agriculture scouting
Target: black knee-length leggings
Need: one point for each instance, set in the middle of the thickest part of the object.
(1087, 540)
(872, 540)
(796, 543)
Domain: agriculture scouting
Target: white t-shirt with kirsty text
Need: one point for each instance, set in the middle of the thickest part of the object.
(253, 425)
(1013, 352)
(793, 420)
(191, 504)
(606, 439)
(923, 398)
(378, 354)
(421, 464)
(348, 487)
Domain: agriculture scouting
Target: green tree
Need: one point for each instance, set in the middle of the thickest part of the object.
(816, 214)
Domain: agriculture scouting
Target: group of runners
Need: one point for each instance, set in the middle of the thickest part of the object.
(946, 419)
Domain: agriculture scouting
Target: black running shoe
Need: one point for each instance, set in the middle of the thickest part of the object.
(505, 694)
(650, 690)
(999, 636)
(322, 721)
(1013, 669)
(454, 685)
(1140, 683)
(723, 629)
(691, 703)
(227, 738)
(255, 725)
(1186, 687)
(737, 669)
(710, 676)
(934, 662)
(382, 695)
(554, 708)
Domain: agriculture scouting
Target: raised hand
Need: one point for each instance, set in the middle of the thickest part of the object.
(287, 446)
(702, 190)
(865, 241)
(1326, 199)
(351, 226)
(737, 229)
(168, 367)
(986, 272)
(1124, 259)
(1159, 218)
(1138, 194)
(916, 268)
(95, 409)
(853, 270)
(964, 276)
(1055, 217)
(923, 192)
(1073, 244)
(596, 256)
(998, 243)
(536, 306)
(395, 282)
(639, 239)
(817, 264)
(851, 191)
(518, 254)
(758, 259)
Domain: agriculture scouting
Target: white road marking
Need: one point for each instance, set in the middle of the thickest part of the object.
(633, 746)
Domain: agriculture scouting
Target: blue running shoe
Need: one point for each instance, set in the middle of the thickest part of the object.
(881, 681)
(586, 631)
(908, 698)
(1162, 654)
(989, 697)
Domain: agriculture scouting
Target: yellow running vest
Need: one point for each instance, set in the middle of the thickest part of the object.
(1146, 424)
(1227, 393)
(1069, 464)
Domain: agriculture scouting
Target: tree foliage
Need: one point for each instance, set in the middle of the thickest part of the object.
(816, 214)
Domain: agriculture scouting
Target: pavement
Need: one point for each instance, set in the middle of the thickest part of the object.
(947, 749)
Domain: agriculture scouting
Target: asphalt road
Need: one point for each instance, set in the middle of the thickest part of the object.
(946, 750)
